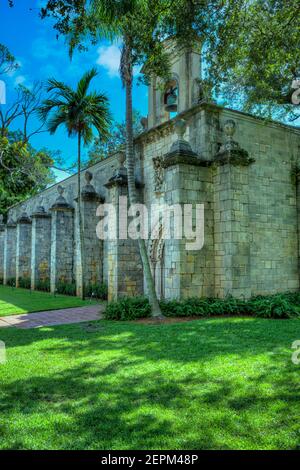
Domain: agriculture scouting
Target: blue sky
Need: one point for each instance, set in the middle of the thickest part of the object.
(40, 55)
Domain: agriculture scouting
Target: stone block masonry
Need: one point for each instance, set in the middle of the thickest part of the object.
(9, 259)
(23, 249)
(62, 243)
(243, 170)
(40, 247)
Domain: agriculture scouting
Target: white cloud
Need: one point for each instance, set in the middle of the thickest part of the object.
(43, 49)
(109, 58)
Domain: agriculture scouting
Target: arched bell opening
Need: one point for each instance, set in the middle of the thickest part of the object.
(170, 98)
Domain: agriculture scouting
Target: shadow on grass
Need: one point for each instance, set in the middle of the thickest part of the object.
(212, 384)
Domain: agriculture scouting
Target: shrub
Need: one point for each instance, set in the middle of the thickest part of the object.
(43, 285)
(128, 308)
(66, 288)
(1, 280)
(11, 282)
(25, 282)
(203, 307)
(98, 291)
(276, 306)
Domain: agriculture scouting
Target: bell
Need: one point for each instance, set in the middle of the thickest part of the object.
(171, 106)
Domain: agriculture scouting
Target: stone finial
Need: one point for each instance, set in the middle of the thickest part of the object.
(180, 128)
(230, 151)
(88, 191)
(60, 190)
(23, 209)
(120, 175)
(181, 149)
(61, 203)
(40, 208)
(88, 177)
(144, 123)
(10, 221)
(24, 219)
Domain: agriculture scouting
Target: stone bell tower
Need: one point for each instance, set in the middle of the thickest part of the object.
(181, 91)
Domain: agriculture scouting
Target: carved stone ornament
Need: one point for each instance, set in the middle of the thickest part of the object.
(158, 173)
(230, 151)
(61, 203)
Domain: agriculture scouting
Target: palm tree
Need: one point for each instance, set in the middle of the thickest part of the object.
(80, 112)
(115, 19)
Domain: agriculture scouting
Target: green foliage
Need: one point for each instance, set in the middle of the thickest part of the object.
(11, 282)
(128, 308)
(7, 60)
(98, 291)
(43, 285)
(275, 306)
(115, 141)
(24, 171)
(250, 50)
(25, 282)
(66, 288)
(76, 109)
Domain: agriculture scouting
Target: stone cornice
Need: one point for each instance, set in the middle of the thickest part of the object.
(121, 181)
(57, 207)
(40, 215)
(89, 196)
(166, 128)
(24, 220)
(184, 157)
(236, 157)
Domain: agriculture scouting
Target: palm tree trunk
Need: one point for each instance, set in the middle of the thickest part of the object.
(128, 78)
(80, 223)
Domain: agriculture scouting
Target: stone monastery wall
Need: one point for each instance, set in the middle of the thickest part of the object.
(243, 170)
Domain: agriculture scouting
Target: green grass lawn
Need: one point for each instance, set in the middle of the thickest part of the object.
(206, 384)
(15, 301)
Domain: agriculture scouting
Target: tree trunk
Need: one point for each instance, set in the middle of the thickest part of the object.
(80, 224)
(130, 159)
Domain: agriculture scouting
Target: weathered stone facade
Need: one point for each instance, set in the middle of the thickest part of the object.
(244, 171)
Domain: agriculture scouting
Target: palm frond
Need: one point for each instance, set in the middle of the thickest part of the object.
(77, 110)
(84, 82)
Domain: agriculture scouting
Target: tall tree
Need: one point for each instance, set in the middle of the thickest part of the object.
(250, 50)
(24, 171)
(80, 112)
(135, 23)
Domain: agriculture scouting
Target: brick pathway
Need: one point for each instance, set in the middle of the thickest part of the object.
(53, 317)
